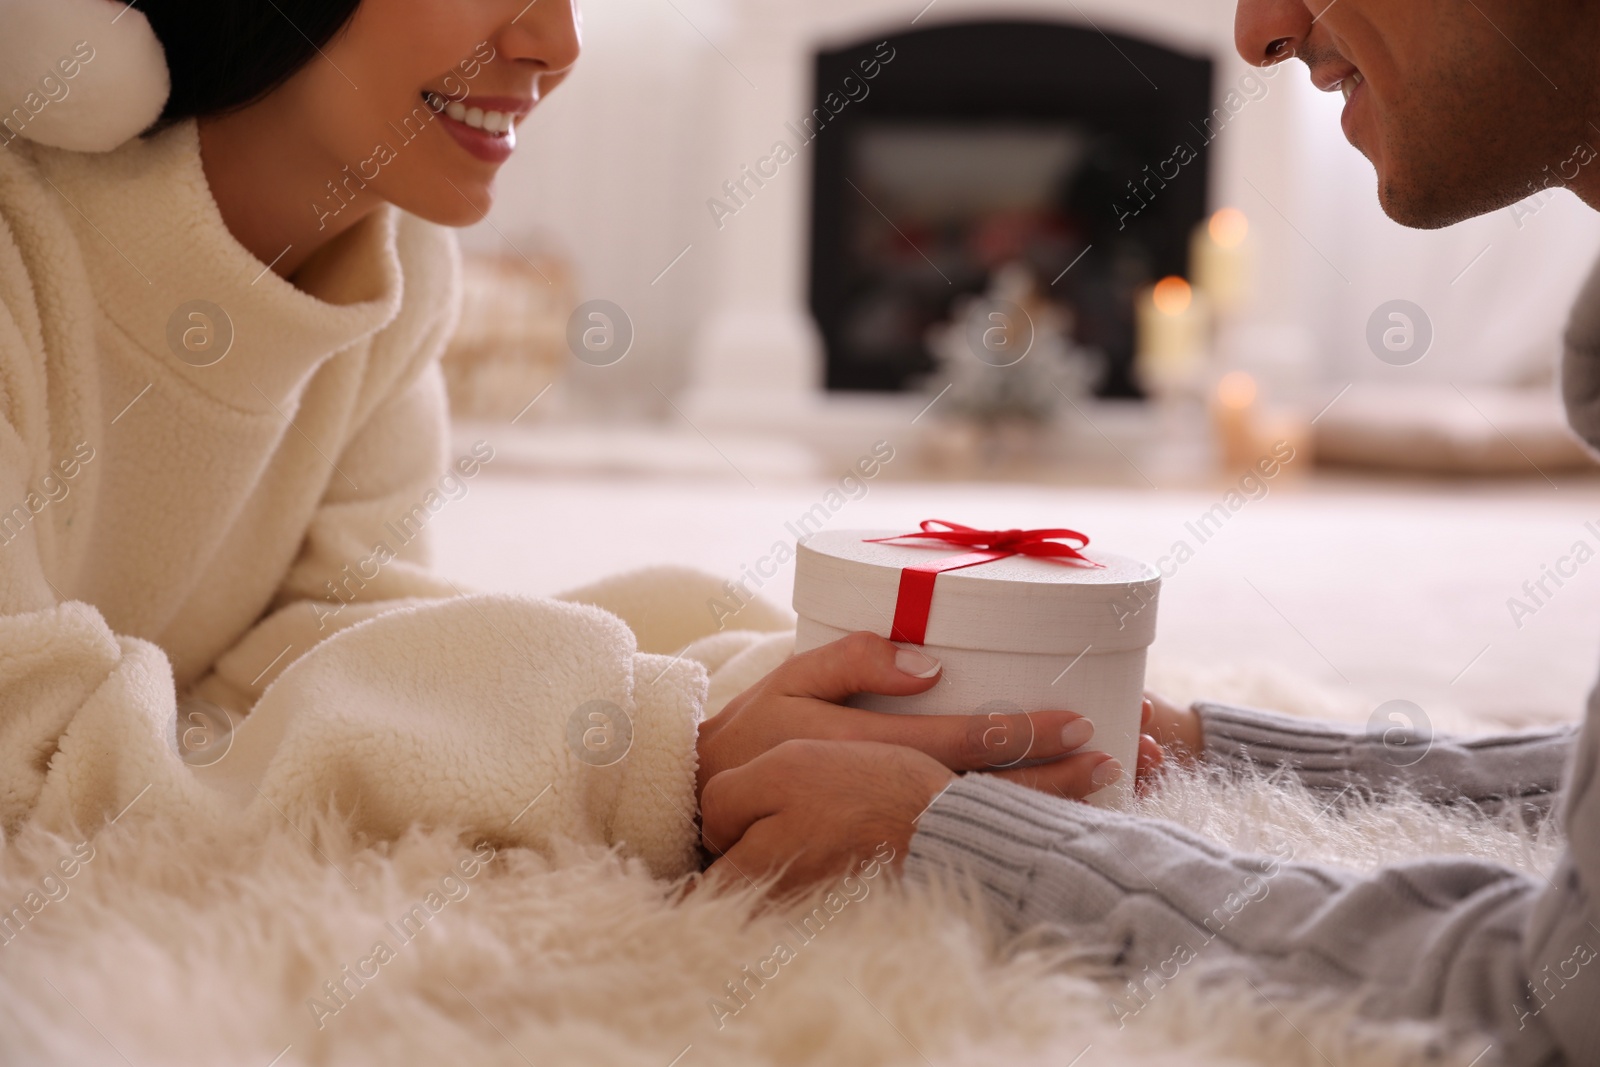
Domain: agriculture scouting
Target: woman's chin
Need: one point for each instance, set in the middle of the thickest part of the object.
(453, 199)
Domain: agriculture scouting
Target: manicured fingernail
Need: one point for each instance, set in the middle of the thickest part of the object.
(916, 663)
(1106, 774)
(1076, 734)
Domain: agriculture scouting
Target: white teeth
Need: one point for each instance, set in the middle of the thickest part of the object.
(1348, 86)
(496, 122)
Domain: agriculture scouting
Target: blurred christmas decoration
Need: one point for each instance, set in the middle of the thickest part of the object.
(511, 340)
(1006, 363)
(1009, 354)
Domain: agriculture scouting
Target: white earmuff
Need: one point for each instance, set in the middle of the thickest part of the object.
(85, 75)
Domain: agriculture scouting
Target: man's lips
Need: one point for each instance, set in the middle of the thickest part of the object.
(1332, 77)
(1352, 87)
(1333, 73)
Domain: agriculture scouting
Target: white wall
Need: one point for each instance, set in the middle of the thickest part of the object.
(616, 169)
(1500, 320)
(609, 171)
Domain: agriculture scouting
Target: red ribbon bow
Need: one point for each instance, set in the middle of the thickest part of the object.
(915, 598)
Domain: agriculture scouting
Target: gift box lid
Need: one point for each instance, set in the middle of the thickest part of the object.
(1016, 604)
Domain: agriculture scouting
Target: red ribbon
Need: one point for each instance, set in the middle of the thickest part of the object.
(915, 598)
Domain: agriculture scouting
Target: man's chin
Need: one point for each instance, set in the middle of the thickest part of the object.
(1407, 211)
(1423, 205)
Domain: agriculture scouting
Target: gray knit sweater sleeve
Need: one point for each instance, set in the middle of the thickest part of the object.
(1471, 944)
(1496, 771)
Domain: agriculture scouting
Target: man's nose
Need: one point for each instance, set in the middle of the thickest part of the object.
(1271, 31)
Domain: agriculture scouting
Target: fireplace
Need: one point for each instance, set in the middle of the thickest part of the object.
(978, 144)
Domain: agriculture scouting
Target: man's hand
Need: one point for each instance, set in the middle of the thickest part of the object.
(819, 806)
(1176, 733)
(801, 700)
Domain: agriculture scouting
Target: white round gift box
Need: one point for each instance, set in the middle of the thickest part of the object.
(1015, 634)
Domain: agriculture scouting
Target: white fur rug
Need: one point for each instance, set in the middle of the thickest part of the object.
(166, 948)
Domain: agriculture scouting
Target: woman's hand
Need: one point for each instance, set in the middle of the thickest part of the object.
(801, 700)
(815, 808)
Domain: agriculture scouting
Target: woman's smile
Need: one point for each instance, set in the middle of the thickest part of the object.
(485, 126)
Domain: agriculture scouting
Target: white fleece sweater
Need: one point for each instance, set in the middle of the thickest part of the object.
(168, 529)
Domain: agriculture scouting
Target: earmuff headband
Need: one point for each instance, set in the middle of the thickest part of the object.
(85, 75)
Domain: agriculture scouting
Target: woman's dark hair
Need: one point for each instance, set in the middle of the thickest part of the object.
(224, 54)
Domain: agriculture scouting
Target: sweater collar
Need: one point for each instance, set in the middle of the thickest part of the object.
(158, 253)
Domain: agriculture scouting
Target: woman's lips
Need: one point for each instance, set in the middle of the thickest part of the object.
(485, 126)
(489, 147)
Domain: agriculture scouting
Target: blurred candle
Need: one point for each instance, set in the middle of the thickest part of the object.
(1233, 413)
(1284, 434)
(1170, 322)
(1220, 256)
